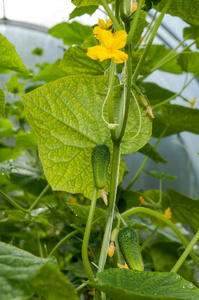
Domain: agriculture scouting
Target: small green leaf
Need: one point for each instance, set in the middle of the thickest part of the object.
(175, 118)
(50, 73)
(26, 141)
(6, 128)
(151, 152)
(8, 153)
(9, 59)
(37, 51)
(162, 175)
(88, 2)
(51, 284)
(155, 93)
(79, 11)
(78, 269)
(6, 168)
(2, 103)
(122, 284)
(18, 269)
(75, 62)
(192, 33)
(189, 62)
(72, 34)
(184, 209)
(185, 9)
(14, 86)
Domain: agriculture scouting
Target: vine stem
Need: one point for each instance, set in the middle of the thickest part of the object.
(87, 232)
(112, 198)
(109, 97)
(138, 210)
(39, 197)
(111, 15)
(15, 204)
(148, 239)
(135, 21)
(62, 241)
(185, 253)
(155, 29)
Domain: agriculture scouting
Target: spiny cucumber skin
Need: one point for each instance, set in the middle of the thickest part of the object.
(100, 160)
(129, 246)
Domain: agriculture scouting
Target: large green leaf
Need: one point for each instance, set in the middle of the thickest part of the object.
(23, 274)
(176, 118)
(72, 34)
(26, 141)
(66, 115)
(50, 73)
(122, 284)
(75, 61)
(88, 2)
(185, 9)
(184, 209)
(9, 59)
(189, 62)
(155, 93)
(79, 11)
(2, 103)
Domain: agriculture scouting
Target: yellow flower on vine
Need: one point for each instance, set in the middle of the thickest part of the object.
(102, 26)
(167, 213)
(193, 102)
(110, 45)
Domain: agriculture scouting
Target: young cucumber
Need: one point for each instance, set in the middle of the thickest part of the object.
(100, 161)
(129, 246)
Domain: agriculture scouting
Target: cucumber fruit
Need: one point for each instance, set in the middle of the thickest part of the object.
(100, 160)
(130, 248)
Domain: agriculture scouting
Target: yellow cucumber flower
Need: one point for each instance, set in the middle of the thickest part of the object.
(110, 45)
(134, 6)
(167, 213)
(102, 26)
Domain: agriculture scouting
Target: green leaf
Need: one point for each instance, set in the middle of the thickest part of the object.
(192, 33)
(78, 269)
(155, 93)
(66, 115)
(79, 11)
(189, 62)
(162, 175)
(75, 62)
(88, 2)
(8, 153)
(126, 284)
(50, 73)
(26, 141)
(51, 284)
(37, 51)
(185, 9)
(14, 86)
(184, 209)
(139, 29)
(2, 103)
(151, 152)
(155, 56)
(6, 168)
(175, 118)
(6, 128)
(72, 34)
(18, 269)
(9, 59)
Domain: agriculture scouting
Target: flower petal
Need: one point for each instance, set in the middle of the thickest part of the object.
(101, 24)
(106, 38)
(119, 40)
(109, 23)
(98, 52)
(119, 56)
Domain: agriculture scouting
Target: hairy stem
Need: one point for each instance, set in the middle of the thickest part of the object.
(111, 15)
(185, 253)
(39, 197)
(15, 204)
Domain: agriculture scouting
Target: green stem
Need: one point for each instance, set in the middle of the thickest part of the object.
(62, 241)
(15, 204)
(39, 197)
(123, 15)
(185, 253)
(117, 10)
(155, 29)
(149, 30)
(118, 251)
(160, 193)
(111, 15)
(148, 239)
(127, 94)
(175, 95)
(128, 7)
(81, 286)
(145, 162)
(40, 247)
(147, 211)
(109, 98)
(87, 236)
(112, 198)
(135, 21)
